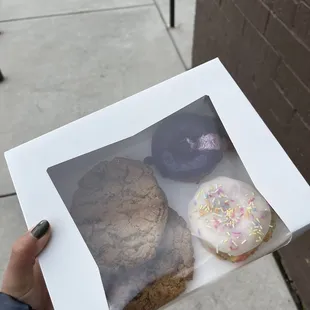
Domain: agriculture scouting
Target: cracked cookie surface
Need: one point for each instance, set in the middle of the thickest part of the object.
(121, 213)
(157, 282)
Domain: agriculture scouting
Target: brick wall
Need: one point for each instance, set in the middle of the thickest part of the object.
(265, 45)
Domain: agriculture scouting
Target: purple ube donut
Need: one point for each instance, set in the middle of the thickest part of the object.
(187, 146)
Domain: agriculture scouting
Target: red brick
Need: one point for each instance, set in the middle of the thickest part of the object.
(294, 90)
(298, 144)
(211, 18)
(229, 36)
(295, 54)
(213, 33)
(218, 41)
(205, 40)
(233, 14)
(279, 93)
(275, 110)
(229, 55)
(254, 44)
(267, 69)
(218, 2)
(300, 132)
(224, 32)
(245, 82)
(274, 100)
(300, 157)
(269, 3)
(256, 11)
(302, 22)
(268, 101)
(285, 10)
(257, 55)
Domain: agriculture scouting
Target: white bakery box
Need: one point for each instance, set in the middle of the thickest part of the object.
(46, 172)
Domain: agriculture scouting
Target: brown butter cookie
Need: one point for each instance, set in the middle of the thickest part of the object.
(121, 213)
(160, 280)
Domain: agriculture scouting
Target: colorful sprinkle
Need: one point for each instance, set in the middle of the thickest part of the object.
(251, 200)
(236, 233)
(224, 214)
(199, 194)
(203, 212)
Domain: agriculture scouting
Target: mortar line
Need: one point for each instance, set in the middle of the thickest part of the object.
(76, 13)
(170, 36)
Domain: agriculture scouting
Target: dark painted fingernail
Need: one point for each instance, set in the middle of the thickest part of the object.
(1, 77)
(41, 229)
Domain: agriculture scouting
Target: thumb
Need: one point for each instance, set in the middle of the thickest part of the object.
(24, 253)
(28, 247)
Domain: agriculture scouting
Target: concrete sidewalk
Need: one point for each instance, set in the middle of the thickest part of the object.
(66, 59)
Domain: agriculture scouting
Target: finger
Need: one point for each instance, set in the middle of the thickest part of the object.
(38, 297)
(46, 300)
(27, 248)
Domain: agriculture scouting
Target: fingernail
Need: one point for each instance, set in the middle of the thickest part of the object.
(1, 77)
(41, 229)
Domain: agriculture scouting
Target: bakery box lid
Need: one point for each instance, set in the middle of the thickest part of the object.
(269, 167)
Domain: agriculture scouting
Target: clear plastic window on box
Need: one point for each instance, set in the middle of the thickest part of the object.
(168, 210)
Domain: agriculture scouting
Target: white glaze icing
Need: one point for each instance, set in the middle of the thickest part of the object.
(229, 215)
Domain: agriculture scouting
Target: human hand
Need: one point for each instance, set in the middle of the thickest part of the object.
(23, 278)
